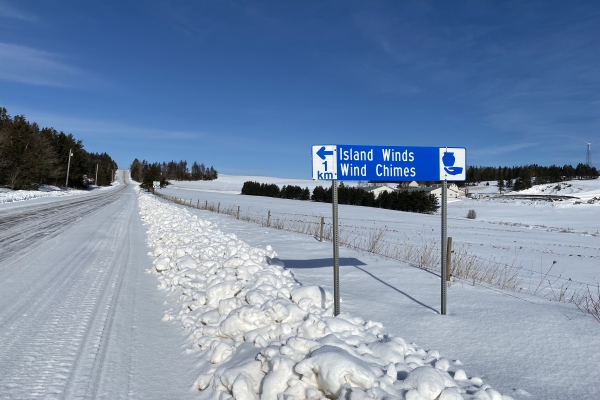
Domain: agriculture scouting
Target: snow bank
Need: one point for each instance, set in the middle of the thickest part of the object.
(11, 196)
(45, 191)
(573, 187)
(258, 333)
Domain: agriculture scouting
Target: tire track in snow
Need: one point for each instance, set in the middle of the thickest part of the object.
(66, 334)
(37, 223)
(87, 385)
(50, 335)
(36, 297)
(104, 337)
(47, 282)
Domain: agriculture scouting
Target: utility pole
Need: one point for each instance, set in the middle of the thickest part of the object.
(68, 167)
(96, 181)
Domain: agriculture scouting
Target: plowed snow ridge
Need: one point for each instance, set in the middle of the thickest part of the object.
(257, 331)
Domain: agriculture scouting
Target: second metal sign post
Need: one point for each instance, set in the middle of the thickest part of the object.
(336, 250)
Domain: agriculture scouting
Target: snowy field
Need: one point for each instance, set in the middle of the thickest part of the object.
(524, 345)
(558, 238)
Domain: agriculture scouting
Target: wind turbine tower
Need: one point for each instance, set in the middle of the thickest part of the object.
(588, 158)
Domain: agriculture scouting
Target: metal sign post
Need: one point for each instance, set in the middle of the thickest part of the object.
(444, 243)
(336, 250)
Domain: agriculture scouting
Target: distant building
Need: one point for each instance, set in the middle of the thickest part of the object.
(376, 190)
(452, 192)
(376, 184)
(407, 185)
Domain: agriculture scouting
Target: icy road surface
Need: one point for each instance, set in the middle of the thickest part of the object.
(79, 317)
(26, 226)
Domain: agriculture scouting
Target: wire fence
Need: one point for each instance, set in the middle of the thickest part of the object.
(425, 253)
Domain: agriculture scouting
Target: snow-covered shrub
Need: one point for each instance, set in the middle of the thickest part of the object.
(590, 303)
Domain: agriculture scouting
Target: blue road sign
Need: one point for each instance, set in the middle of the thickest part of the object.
(388, 163)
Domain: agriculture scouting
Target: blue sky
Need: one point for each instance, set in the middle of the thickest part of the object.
(248, 87)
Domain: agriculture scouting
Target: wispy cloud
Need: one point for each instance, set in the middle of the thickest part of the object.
(185, 135)
(90, 127)
(8, 11)
(31, 66)
(188, 18)
(509, 148)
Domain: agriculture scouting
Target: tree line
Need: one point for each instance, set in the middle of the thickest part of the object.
(400, 200)
(528, 175)
(272, 190)
(31, 156)
(414, 201)
(146, 173)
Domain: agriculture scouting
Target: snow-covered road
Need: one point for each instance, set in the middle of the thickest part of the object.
(79, 318)
(28, 225)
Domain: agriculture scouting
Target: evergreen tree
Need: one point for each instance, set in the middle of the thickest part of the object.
(136, 169)
(153, 174)
(500, 185)
(174, 171)
(30, 156)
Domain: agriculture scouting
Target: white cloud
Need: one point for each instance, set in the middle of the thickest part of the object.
(31, 66)
(7, 11)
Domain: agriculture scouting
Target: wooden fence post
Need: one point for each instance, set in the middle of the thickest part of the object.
(198, 204)
(322, 224)
(448, 258)
(219, 208)
(269, 219)
(238, 213)
(206, 205)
